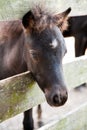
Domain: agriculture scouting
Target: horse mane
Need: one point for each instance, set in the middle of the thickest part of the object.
(39, 18)
(42, 18)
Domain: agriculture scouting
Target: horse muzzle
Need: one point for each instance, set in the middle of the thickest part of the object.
(56, 96)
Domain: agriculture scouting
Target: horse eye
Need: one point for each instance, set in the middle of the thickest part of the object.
(34, 55)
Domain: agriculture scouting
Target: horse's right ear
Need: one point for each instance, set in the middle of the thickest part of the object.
(61, 19)
(28, 20)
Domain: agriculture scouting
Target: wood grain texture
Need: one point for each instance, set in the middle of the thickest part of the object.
(75, 72)
(17, 94)
(73, 120)
(20, 92)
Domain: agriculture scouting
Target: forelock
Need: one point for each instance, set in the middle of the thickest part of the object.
(43, 19)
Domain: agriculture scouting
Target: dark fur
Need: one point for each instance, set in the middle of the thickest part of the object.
(41, 19)
(78, 28)
(24, 45)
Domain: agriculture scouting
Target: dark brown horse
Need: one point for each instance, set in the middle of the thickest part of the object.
(78, 28)
(36, 43)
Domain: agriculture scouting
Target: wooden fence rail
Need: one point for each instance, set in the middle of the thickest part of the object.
(20, 92)
(76, 119)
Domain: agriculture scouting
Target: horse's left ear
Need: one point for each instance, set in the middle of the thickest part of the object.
(61, 19)
(28, 20)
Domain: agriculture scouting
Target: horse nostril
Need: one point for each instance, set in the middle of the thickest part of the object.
(55, 99)
(60, 99)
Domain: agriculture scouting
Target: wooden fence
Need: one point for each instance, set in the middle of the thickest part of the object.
(20, 92)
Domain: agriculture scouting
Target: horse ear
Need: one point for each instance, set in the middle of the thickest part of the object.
(28, 20)
(61, 19)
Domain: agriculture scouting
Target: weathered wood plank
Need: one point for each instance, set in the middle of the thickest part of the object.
(71, 116)
(73, 120)
(75, 72)
(14, 9)
(19, 93)
(53, 114)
